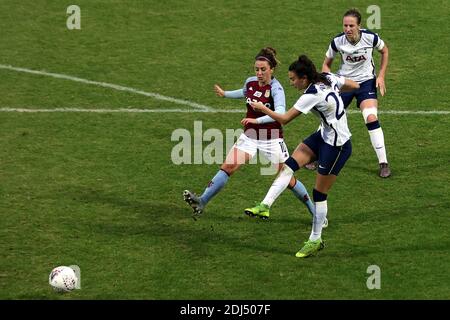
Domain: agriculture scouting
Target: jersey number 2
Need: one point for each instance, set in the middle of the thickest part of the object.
(338, 115)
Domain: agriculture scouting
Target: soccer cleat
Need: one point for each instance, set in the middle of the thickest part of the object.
(311, 165)
(261, 210)
(194, 201)
(310, 248)
(325, 223)
(384, 170)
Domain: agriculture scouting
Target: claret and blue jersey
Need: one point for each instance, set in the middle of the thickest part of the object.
(272, 96)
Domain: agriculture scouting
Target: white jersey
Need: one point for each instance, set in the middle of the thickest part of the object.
(326, 103)
(356, 59)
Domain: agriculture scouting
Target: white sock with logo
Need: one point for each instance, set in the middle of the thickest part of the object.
(377, 139)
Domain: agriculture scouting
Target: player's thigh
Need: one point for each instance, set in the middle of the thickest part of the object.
(303, 154)
(235, 159)
(243, 150)
(308, 150)
(368, 103)
(332, 159)
(367, 94)
(274, 150)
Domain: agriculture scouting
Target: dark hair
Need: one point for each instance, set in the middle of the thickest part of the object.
(268, 54)
(353, 12)
(305, 67)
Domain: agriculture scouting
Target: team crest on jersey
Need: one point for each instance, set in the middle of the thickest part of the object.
(258, 94)
(267, 94)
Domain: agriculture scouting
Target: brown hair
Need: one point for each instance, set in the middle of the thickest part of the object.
(353, 12)
(303, 66)
(268, 54)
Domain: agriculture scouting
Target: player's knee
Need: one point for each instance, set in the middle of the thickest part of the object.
(229, 168)
(370, 114)
(292, 164)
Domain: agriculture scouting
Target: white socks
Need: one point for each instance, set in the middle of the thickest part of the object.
(377, 139)
(319, 218)
(278, 186)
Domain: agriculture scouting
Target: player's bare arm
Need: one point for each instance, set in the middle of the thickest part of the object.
(281, 118)
(384, 63)
(349, 85)
(326, 66)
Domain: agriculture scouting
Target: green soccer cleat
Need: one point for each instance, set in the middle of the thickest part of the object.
(310, 248)
(261, 210)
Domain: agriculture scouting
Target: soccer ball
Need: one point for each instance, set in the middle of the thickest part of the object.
(63, 279)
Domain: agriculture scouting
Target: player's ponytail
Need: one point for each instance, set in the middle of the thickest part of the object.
(268, 54)
(305, 67)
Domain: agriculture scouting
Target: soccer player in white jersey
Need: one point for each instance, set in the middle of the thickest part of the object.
(355, 45)
(261, 133)
(330, 145)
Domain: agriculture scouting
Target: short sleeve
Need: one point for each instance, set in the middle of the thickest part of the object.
(378, 43)
(332, 50)
(279, 98)
(306, 102)
(340, 80)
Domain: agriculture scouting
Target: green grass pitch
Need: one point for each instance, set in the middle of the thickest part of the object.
(99, 190)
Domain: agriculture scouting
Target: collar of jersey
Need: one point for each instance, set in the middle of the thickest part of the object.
(354, 44)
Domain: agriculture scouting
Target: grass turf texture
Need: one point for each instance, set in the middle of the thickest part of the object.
(100, 190)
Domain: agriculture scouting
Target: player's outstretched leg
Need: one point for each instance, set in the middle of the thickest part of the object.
(198, 203)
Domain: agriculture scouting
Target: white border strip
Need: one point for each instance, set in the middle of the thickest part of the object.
(133, 110)
(109, 85)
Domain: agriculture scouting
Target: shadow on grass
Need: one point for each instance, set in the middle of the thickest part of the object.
(165, 222)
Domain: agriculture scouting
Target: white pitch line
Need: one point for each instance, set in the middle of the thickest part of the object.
(109, 85)
(134, 110)
(199, 107)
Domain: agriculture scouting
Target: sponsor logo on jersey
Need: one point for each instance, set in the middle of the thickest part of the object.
(267, 94)
(267, 104)
(356, 59)
(257, 94)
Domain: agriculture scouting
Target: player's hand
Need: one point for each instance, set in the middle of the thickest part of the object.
(246, 121)
(258, 106)
(381, 86)
(219, 91)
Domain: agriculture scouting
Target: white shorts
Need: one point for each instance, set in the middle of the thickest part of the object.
(274, 150)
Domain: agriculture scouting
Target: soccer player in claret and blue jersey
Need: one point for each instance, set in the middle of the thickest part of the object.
(261, 133)
(330, 145)
(355, 45)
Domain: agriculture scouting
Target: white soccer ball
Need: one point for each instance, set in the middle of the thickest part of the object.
(63, 279)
